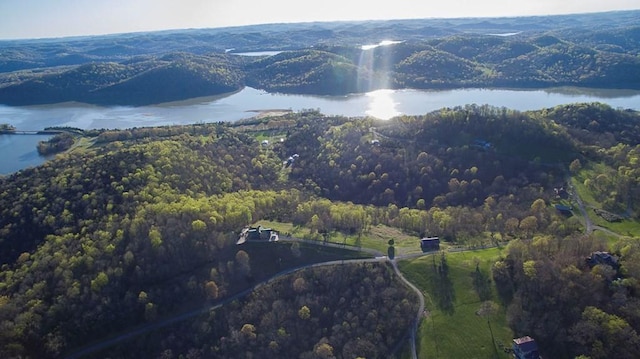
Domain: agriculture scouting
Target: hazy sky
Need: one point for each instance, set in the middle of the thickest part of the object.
(55, 18)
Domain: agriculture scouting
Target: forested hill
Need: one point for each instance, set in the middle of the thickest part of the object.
(133, 82)
(138, 225)
(593, 50)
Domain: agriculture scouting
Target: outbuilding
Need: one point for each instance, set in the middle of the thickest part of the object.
(430, 244)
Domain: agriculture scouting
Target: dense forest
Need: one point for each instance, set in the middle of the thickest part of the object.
(597, 50)
(123, 244)
(141, 224)
(133, 82)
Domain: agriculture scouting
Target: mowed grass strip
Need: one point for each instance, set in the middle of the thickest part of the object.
(456, 330)
(377, 237)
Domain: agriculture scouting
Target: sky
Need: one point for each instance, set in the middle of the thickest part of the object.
(21, 19)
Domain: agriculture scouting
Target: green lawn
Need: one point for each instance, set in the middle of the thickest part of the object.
(284, 227)
(629, 228)
(377, 238)
(625, 228)
(458, 332)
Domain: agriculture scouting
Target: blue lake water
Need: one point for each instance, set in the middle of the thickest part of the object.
(382, 104)
(19, 151)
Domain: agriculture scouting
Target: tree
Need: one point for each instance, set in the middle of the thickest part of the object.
(538, 206)
(99, 282)
(575, 166)
(211, 289)
(604, 335)
(155, 237)
(242, 260)
(529, 224)
(143, 298)
(198, 225)
(249, 331)
(304, 313)
(150, 311)
(324, 351)
(299, 285)
(316, 223)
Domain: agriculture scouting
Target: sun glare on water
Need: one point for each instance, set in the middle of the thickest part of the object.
(381, 43)
(382, 105)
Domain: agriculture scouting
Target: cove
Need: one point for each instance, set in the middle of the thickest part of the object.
(19, 151)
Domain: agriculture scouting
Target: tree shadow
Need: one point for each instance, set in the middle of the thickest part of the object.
(481, 284)
(443, 289)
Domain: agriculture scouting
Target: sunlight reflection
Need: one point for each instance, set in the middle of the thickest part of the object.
(381, 43)
(382, 105)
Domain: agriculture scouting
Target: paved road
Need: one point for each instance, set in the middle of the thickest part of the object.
(588, 225)
(142, 329)
(134, 332)
(416, 322)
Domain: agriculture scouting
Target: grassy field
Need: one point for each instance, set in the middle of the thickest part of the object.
(82, 144)
(629, 228)
(458, 331)
(377, 238)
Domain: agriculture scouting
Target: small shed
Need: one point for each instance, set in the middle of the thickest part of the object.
(429, 244)
(566, 210)
(525, 348)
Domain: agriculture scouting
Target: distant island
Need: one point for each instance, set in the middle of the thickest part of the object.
(590, 50)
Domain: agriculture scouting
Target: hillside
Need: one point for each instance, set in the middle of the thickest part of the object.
(308, 71)
(140, 227)
(594, 50)
(134, 82)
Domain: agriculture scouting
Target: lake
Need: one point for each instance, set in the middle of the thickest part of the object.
(382, 104)
(19, 151)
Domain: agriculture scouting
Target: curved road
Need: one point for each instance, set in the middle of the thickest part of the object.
(414, 327)
(589, 227)
(134, 332)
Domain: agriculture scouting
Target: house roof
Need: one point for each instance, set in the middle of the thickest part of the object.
(603, 257)
(526, 344)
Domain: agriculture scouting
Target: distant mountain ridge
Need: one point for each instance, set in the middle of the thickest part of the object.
(591, 50)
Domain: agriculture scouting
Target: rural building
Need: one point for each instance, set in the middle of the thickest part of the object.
(429, 244)
(603, 258)
(257, 234)
(525, 348)
(566, 210)
(290, 160)
(561, 192)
